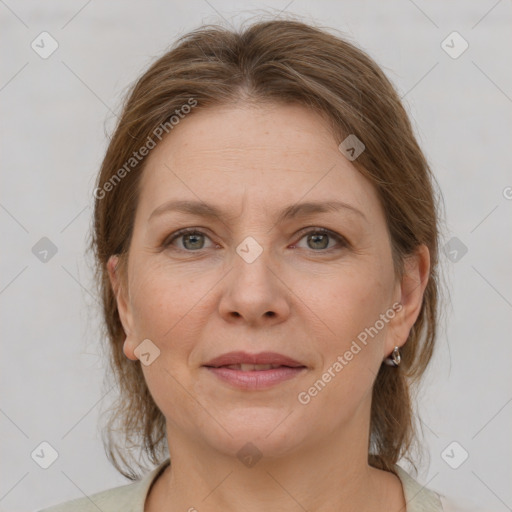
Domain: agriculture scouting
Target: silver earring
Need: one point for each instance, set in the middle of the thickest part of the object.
(395, 358)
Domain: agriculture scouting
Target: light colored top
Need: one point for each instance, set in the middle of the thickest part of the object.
(131, 497)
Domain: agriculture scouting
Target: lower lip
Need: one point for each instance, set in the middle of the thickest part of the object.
(257, 379)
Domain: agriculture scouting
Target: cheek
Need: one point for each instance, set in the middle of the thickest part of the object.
(167, 310)
(170, 308)
(351, 347)
(160, 299)
(354, 330)
(358, 297)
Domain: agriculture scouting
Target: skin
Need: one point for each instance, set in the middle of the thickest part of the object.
(197, 298)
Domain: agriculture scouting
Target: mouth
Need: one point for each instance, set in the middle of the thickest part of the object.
(253, 372)
(254, 367)
(262, 359)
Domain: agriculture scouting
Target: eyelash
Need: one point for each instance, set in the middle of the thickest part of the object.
(193, 231)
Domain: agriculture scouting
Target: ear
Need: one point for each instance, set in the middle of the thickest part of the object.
(409, 294)
(123, 306)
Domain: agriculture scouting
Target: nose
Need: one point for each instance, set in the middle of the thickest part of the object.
(253, 291)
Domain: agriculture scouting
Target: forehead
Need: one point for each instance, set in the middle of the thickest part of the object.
(263, 154)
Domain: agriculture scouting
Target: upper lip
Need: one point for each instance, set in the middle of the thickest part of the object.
(246, 358)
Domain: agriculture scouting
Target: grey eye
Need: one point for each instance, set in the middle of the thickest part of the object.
(193, 241)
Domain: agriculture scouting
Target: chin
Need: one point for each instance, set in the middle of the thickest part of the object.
(261, 431)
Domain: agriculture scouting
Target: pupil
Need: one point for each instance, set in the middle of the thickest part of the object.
(188, 237)
(315, 239)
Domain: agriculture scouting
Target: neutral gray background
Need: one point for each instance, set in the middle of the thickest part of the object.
(55, 112)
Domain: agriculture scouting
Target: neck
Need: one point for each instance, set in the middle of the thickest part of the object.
(327, 476)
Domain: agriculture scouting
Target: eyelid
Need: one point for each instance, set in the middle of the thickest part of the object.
(333, 234)
(342, 241)
(185, 231)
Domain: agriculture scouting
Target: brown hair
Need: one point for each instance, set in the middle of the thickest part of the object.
(276, 61)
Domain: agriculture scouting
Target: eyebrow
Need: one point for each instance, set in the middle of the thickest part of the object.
(206, 210)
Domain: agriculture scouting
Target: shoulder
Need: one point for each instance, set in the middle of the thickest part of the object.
(421, 499)
(125, 498)
(417, 497)
(457, 505)
(109, 500)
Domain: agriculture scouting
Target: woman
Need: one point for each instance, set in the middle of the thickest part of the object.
(266, 237)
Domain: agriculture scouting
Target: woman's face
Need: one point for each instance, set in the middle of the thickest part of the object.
(307, 285)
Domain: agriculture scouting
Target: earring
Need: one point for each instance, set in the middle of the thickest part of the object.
(395, 358)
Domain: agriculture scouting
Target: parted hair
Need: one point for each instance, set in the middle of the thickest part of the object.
(278, 61)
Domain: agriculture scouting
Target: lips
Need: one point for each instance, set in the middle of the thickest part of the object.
(252, 367)
(252, 372)
(253, 362)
